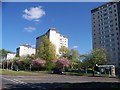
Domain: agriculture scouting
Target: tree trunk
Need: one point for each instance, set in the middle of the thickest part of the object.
(93, 74)
(86, 70)
(38, 69)
(25, 68)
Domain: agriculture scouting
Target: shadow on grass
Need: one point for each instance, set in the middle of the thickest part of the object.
(65, 86)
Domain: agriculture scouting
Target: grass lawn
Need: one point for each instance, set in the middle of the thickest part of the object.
(10, 72)
(41, 73)
(85, 74)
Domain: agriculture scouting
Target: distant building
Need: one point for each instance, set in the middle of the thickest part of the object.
(11, 55)
(56, 38)
(106, 30)
(24, 50)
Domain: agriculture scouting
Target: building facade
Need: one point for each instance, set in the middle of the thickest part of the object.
(55, 37)
(11, 55)
(106, 30)
(24, 50)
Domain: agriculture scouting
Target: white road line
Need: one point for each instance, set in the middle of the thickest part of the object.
(15, 81)
(19, 81)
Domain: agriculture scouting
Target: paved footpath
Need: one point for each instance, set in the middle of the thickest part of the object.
(53, 82)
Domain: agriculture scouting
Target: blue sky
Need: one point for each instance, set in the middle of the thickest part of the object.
(72, 19)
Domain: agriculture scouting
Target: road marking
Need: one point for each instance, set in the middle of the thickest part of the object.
(15, 81)
(19, 81)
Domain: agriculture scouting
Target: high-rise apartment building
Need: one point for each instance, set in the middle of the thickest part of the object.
(24, 50)
(106, 30)
(56, 38)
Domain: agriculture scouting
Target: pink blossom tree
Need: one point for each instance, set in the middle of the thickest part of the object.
(39, 62)
(63, 63)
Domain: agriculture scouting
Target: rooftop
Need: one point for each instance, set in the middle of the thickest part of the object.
(102, 6)
(27, 45)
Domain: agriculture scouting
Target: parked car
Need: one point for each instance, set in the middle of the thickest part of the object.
(57, 71)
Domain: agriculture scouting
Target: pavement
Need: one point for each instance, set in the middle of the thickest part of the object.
(57, 82)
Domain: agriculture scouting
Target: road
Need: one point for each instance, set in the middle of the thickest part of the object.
(53, 82)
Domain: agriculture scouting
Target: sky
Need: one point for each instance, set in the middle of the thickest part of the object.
(22, 22)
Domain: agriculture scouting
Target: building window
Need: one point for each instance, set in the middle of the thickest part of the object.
(112, 39)
(115, 19)
(111, 21)
(114, 6)
(113, 49)
(107, 36)
(110, 8)
(112, 34)
(117, 33)
(94, 42)
(105, 18)
(111, 25)
(110, 12)
(106, 23)
(105, 14)
(106, 27)
(117, 38)
(105, 10)
(118, 43)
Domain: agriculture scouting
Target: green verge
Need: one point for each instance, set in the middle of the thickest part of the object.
(10, 72)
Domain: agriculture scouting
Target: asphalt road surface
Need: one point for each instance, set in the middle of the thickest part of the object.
(57, 82)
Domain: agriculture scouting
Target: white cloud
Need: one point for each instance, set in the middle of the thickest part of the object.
(29, 29)
(75, 47)
(34, 13)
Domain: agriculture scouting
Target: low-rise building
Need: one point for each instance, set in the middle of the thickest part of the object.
(24, 50)
(11, 55)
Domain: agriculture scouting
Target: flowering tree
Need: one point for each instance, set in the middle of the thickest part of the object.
(63, 63)
(39, 62)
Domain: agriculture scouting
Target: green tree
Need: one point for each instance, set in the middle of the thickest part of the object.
(3, 53)
(46, 50)
(76, 64)
(64, 51)
(97, 56)
(26, 62)
(85, 61)
(73, 55)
